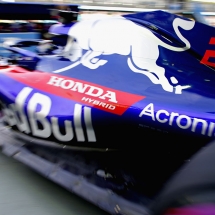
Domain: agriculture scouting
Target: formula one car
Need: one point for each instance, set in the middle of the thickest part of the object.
(119, 110)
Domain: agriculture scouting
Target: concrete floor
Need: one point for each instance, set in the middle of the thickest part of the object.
(24, 192)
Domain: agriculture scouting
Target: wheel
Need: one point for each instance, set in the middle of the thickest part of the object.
(192, 189)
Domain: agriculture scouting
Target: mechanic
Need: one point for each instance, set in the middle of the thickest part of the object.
(58, 33)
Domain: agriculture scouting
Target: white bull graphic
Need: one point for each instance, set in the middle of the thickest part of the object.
(117, 35)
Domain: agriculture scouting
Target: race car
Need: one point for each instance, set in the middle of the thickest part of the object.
(119, 110)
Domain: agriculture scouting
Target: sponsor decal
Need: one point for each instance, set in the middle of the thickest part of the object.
(180, 120)
(103, 98)
(118, 35)
(36, 122)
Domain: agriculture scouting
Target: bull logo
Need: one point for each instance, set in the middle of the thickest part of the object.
(117, 35)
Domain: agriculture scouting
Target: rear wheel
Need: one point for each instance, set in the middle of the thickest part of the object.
(191, 191)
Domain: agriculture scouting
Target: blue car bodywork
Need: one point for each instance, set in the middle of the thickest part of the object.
(115, 104)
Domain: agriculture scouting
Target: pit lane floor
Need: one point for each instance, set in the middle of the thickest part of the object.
(24, 192)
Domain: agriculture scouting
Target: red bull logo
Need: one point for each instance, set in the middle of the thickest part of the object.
(118, 35)
(37, 123)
